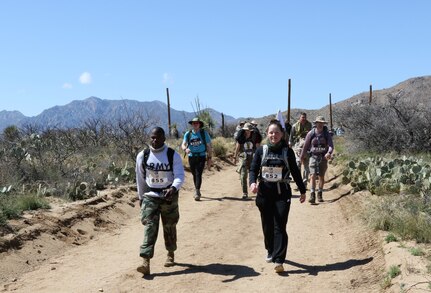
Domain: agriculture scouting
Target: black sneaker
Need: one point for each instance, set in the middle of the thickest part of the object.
(170, 260)
(268, 258)
(197, 195)
(312, 198)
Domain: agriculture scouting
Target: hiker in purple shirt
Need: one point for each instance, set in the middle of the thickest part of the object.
(319, 146)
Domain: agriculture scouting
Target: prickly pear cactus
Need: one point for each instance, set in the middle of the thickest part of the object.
(385, 175)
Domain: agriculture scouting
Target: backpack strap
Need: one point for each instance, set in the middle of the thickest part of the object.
(170, 154)
(203, 137)
(286, 162)
(146, 155)
(284, 156)
(264, 154)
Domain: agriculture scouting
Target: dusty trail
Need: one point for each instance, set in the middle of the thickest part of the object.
(220, 249)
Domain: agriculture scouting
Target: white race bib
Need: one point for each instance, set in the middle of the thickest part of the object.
(272, 174)
(157, 179)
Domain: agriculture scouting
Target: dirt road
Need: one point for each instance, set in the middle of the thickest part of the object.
(220, 246)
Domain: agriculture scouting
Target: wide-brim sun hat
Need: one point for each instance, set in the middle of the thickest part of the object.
(196, 119)
(248, 126)
(253, 122)
(320, 119)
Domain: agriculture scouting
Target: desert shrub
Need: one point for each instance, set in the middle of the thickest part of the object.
(227, 131)
(11, 207)
(391, 238)
(3, 219)
(220, 147)
(398, 125)
(394, 271)
(386, 283)
(32, 202)
(416, 251)
(408, 216)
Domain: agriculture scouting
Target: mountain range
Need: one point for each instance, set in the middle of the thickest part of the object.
(76, 113)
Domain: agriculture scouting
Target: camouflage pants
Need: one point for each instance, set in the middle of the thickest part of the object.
(306, 168)
(151, 210)
(244, 167)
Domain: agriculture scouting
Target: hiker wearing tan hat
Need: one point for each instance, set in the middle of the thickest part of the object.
(197, 145)
(319, 146)
(244, 149)
(256, 135)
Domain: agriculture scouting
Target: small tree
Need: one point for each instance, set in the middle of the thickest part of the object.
(205, 116)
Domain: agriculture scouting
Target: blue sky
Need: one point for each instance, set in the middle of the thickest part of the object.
(234, 56)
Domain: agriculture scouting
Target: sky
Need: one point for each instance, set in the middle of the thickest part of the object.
(230, 55)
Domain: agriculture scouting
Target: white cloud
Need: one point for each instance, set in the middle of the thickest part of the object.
(85, 78)
(167, 78)
(67, 85)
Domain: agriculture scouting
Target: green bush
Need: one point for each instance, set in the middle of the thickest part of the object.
(394, 271)
(391, 238)
(12, 207)
(386, 283)
(3, 218)
(416, 251)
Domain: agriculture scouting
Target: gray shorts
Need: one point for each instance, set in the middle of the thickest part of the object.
(318, 165)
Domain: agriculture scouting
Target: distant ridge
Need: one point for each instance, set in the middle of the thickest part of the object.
(77, 112)
(74, 114)
(416, 89)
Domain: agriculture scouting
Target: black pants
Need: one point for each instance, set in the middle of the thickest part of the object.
(274, 211)
(197, 165)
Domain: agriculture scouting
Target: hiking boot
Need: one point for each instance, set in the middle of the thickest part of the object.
(145, 267)
(245, 196)
(279, 268)
(312, 197)
(319, 196)
(170, 259)
(197, 195)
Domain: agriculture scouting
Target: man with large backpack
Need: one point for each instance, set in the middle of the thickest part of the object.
(197, 145)
(159, 176)
(319, 146)
(238, 135)
(297, 136)
(256, 135)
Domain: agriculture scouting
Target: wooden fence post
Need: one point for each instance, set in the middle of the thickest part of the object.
(222, 125)
(330, 112)
(169, 112)
(288, 102)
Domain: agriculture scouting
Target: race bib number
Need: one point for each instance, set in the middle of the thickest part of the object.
(319, 150)
(195, 142)
(272, 174)
(157, 179)
(248, 148)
